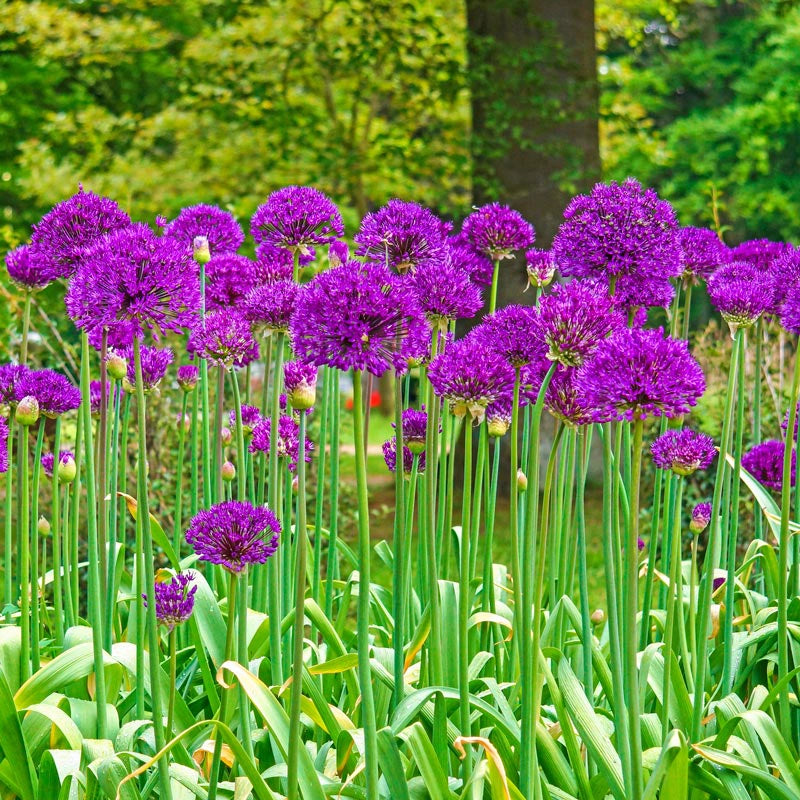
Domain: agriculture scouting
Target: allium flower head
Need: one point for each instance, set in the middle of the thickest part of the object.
(356, 319)
(701, 516)
(619, 229)
(402, 236)
(637, 291)
(683, 451)
(155, 362)
(229, 277)
(28, 269)
(415, 426)
(288, 440)
(188, 375)
(10, 376)
(464, 256)
(3, 445)
(251, 416)
(54, 392)
(338, 253)
(273, 264)
(234, 534)
(222, 232)
(639, 372)
(540, 266)
(270, 307)
(300, 380)
(134, 276)
(48, 459)
(296, 218)
(785, 422)
(573, 320)
(445, 292)
(470, 377)
(223, 338)
(565, 401)
(512, 332)
(498, 415)
(765, 463)
(703, 253)
(496, 231)
(740, 293)
(174, 599)
(95, 395)
(761, 253)
(64, 234)
(390, 457)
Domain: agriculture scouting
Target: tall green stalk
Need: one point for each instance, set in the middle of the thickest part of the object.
(177, 530)
(398, 563)
(513, 525)
(36, 589)
(464, 603)
(8, 527)
(55, 524)
(23, 489)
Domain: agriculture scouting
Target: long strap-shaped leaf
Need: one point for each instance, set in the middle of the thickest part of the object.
(19, 774)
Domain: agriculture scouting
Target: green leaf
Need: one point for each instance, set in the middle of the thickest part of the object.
(18, 773)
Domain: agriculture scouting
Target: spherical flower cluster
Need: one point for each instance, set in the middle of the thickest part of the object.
(701, 516)
(229, 277)
(683, 451)
(785, 422)
(54, 392)
(95, 399)
(288, 440)
(496, 231)
(65, 458)
(445, 292)
(498, 415)
(296, 218)
(402, 236)
(10, 376)
(619, 229)
(135, 276)
(639, 372)
(155, 362)
(270, 307)
(470, 377)
(219, 228)
(640, 291)
(415, 426)
(390, 457)
(512, 333)
(234, 534)
(703, 253)
(174, 599)
(740, 293)
(300, 380)
(761, 253)
(565, 401)
(462, 255)
(765, 463)
(357, 319)
(251, 416)
(540, 266)
(28, 269)
(64, 234)
(573, 320)
(188, 376)
(274, 264)
(223, 338)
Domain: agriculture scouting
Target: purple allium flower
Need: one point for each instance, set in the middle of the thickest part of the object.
(464, 256)
(174, 599)
(701, 516)
(95, 397)
(188, 375)
(740, 293)
(564, 400)
(234, 534)
(54, 392)
(3, 444)
(135, 276)
(498, 415)
(28, 269)
(512, 333)
(636, 291)
(229, 277)
(683, 451)
(761, 253)
(765, 463)
(619, 229)
(251, 416)
(496, 231)
(785, 422)
(10, 375)
(470, 376)
(64, 234)
(48, 459)
(573, 320)
(338, 253)
(415, 426)
(119, 335)
(221, 230)
(718, 582)
(401, 236)
(155, 362)
(296, 218)
(288, 440)
(540, 266)
(270, 307)
(390, 457)
(785, 274)
(445, 292)
(300, 380)
(356, 319)
(223, 338)
(703, 253)
(273, 264)
(639, 372)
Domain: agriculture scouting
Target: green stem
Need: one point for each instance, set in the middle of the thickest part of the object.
(37, 596)
(493, 295)
(316, 586)
(173, 672)
(398, 562)
(513, 525)
(333, 525)
(177, 529)
(102, 489)
(25, 556)
(464, 603)
(26, 326)
(111, 595)
(8, 538)
(58, 605)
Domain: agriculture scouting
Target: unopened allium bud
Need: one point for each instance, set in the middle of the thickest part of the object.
(67, 469)
(186, 420)
(598, 616)
(127, 386)
(202, 253)
(188, 375)
(226, 436)
(117, 366)
(540, 266)
(295, 484)
(228, 472)
(27, 412)
(43, 526)
(300, 380)
(522, 480)
(701, 516)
